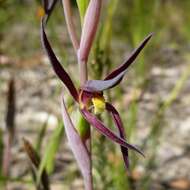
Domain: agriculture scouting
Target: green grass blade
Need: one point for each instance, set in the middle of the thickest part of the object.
(41, 135)
(50, 151)
(106, 34)
(82, 6)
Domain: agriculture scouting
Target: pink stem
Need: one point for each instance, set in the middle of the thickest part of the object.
(70, 24)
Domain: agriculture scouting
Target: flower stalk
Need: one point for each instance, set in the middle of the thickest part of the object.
(83, 72)
(70, 24)
(89, 29)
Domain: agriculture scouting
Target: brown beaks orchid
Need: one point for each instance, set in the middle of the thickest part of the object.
(90, 97)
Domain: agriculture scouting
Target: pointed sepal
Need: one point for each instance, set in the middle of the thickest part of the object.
(118, 122)
(61, 73)
(96, 123)
(89, 28)
(116, 76)
(129, 60)
(77, 146)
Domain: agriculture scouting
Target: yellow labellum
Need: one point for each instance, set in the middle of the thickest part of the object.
(40, 12)
(99, 104)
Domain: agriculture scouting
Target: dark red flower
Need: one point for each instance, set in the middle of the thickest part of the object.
(90, 95)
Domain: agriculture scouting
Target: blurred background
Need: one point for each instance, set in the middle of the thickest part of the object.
(154, 98)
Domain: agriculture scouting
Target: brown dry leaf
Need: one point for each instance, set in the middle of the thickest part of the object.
(35, 159)
(182, 184)
(31, 153)
(10, 127)
(10, 115)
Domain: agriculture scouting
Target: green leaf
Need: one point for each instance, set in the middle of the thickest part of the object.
(51, 150)
(41, 135)
(82, 6)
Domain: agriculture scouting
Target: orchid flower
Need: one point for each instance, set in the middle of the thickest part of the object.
(90, 98)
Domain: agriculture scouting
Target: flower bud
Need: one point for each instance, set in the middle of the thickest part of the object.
(89, 29)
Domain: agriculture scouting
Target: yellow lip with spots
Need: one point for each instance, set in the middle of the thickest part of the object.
(99, 104)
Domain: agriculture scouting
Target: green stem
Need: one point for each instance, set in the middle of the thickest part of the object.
(83, 72)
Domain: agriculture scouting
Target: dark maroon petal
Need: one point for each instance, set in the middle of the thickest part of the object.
(95, 122)
(61, 73)
(119, 125)
(129, 60)
(77, 146)
(48, 7)
(116, 76)
(101, 85)
(45, 4)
